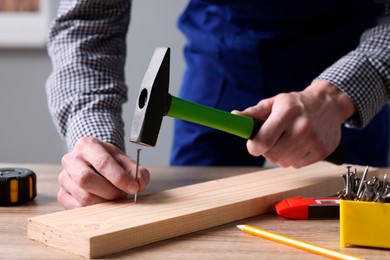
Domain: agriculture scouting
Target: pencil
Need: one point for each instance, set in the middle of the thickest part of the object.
(296, 243)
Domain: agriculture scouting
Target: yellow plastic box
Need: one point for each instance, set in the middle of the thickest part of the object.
(364, 224)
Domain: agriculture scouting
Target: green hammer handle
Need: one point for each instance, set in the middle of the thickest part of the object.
(243, 126)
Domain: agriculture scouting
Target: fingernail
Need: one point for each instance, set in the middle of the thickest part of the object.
(133, 188)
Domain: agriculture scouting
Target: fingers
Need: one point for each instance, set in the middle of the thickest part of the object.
(113, 165)
(79, 175)
(102, 158)
(260, 111)
(294, 132)
(295, 151)
(129, 165)
(95, 172)
(270, 131)
(71, 195)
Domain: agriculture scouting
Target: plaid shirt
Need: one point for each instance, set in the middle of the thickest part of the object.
(364, 74)
(86, 90)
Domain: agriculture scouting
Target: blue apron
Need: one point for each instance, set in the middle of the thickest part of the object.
(239, 52)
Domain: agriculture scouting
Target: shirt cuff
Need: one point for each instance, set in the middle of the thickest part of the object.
(103, 126)
(355, 75)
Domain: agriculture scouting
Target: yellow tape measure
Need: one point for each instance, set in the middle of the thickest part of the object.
(17, 186)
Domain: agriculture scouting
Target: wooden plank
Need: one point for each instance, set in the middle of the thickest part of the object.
(112, 227)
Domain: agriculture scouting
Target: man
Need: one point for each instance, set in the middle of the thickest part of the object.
(238, 53)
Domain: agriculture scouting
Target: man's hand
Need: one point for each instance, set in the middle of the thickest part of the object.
(95, 172)
(300, 128)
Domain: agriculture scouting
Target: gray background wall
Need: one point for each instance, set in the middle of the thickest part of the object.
(27, 134)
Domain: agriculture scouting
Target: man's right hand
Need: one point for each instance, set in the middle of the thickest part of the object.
(300, 128)
(97, 171)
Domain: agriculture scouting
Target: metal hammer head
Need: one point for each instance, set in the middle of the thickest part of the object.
(152, 100)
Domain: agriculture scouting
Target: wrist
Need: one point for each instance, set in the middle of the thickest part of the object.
(333, 97)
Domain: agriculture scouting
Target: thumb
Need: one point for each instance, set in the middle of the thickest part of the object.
(259, 111)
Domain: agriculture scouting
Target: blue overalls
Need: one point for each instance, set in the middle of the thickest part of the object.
(239, 52)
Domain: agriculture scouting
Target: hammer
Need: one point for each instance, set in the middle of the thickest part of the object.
(155, 102)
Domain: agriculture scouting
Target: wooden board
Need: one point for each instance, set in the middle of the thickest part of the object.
(112, 227)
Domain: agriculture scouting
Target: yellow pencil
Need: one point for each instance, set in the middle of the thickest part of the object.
(296, 243)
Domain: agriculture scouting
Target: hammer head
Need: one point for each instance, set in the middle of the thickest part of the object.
(152, 100)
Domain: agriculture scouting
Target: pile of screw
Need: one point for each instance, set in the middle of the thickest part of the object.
(364, 190)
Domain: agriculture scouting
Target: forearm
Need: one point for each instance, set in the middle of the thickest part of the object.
(86, 89)
(364, 75)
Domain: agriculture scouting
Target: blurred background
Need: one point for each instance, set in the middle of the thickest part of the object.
(27, 134)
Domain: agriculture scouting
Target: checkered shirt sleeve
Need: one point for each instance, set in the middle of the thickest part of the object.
(364, 75)
(86, 89)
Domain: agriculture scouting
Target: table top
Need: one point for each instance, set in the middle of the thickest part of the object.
(222, 242)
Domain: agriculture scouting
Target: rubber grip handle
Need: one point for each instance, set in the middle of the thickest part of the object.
(242, 126)
(238, 125)
(339, 155)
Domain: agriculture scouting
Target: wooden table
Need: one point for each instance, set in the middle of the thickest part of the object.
(223, 242)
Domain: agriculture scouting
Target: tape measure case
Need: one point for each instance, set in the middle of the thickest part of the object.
(17, 186)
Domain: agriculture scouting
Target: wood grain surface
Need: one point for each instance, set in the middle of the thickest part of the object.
(112, 227)
(221, 242)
